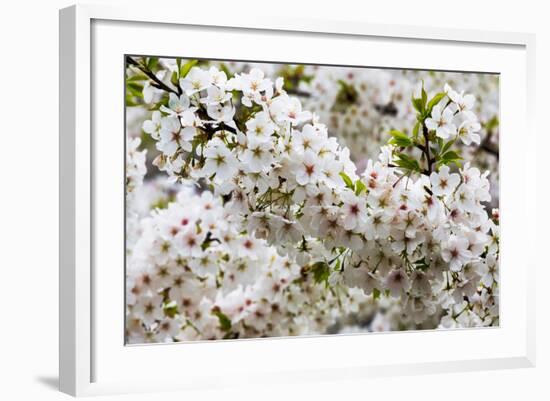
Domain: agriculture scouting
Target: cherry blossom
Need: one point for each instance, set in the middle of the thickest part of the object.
(275, 232)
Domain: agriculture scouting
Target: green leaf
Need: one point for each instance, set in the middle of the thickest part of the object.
(400, 139)
(346, 96)
(161, 203)
(359, 187)
(338, 265)
(447, 145)
(307, 78)
(174, 78)
(406, 162)
(224, 68)
(137, 77)
(435, 100)
(417, 104)
(424, 97)
(130, 101)
(347, 180)
(152, 63)
(134, 89)
(321, 272)
(225, 322)
(375, 294)
(415, 130)
(171, 309)
(449, 157)
(492, 123)
(184, 69)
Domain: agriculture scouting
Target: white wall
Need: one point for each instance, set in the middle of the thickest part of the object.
(28, 195)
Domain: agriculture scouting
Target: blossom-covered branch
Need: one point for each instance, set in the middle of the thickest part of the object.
(407, 228)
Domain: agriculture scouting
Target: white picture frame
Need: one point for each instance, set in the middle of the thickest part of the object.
(92, 361)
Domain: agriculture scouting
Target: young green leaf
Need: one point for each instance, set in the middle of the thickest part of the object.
(134, 89)
(170, 309)
(449, 157)
(359, 187)
(417, 104)
(174, 78)
(321, 272)
(492, 123)
(338, 265)
(415, 130)
(406, 162)
(347, 180)
(224, 68)
(447, 146)
(225, 322)
(184, 70)
(137, 77)
(152, 63)
(424, 97)
(435, 100)
(400, 139)
(130, 102)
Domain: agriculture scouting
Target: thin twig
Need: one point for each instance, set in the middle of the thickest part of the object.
(427, 147)
(157, 82)
(487, 147)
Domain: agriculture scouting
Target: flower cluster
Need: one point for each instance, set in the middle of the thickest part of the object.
(193, 275)
(135, 172)
(284, 199)
(360, 105)
(135, 166)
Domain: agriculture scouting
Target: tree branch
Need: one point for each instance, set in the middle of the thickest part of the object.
(487, 147)
(296, 92)
(427, 148)
(156, 81)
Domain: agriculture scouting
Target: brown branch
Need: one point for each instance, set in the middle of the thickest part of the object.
(157, 83)
(487, 147)
(491, 150)
(427, 148)
(296, 92)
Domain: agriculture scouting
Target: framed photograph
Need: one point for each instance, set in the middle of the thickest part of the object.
(290, 200)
